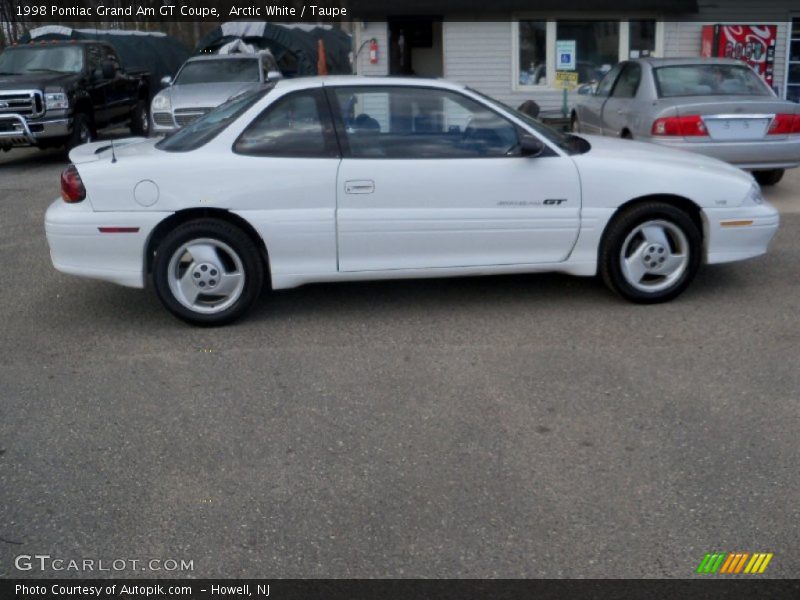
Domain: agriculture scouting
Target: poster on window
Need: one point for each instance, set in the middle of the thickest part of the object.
(754, 44)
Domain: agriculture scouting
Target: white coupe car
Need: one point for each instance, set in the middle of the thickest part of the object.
(348, 178)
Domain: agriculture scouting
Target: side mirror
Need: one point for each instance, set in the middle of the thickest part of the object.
(530, 145)
(273, 75)
(108, 70)
(166, 81)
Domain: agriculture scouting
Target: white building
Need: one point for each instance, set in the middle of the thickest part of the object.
(514, 57)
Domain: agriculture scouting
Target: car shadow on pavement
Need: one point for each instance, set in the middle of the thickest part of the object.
(391, 299)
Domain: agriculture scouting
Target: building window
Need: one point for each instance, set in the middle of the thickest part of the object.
(793, 75)
(596, 46)
(532, 53)
(642, 39)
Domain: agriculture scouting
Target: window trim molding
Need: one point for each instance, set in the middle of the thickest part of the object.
(550, 46)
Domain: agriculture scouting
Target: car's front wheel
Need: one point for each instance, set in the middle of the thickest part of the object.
(208, 272)
(650, 252)
(771, 177)
(140, 119)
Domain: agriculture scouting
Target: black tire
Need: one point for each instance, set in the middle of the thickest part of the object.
(770, 177)
(217, 231)
(82, 131)
(624, 225)
(140, 119)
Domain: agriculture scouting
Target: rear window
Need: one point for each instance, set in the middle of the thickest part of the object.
(708, 80)
(211, 124)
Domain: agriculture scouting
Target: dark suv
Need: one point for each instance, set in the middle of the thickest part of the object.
(60, 93)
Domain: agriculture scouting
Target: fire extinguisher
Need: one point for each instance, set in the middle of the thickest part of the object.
(373, 51)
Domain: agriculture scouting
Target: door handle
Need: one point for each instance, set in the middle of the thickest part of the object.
(359, 186)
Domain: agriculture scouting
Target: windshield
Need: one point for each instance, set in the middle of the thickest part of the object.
(571, 144)
(55, 59)
(207, 127)
(229, 70)
(709, 80)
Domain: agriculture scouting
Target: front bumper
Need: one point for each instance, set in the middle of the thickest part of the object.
(739, 233)
(783, 153)
(15, 130)
(79, 247)
(163, 122)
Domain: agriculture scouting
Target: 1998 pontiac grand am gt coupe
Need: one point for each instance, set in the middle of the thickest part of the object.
(347, 178)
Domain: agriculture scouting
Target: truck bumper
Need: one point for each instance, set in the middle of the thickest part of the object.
(16, 131)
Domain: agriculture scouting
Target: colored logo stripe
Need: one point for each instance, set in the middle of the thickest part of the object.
(734, 563)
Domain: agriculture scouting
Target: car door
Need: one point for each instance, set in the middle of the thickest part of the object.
(282, 179)
(619, 109)
(591, 106)
(99, 87)
(119, 96)
(431, 178)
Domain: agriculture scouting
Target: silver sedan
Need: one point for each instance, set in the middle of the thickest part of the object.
(715, 106)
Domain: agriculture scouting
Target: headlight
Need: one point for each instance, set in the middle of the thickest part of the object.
(754, 196)
(56, 101)
(161, 102)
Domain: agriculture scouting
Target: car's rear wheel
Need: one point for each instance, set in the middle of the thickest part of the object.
(650, 252)
(208, 272)
(770, 177)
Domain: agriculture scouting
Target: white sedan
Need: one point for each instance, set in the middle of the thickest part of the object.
(348, 178)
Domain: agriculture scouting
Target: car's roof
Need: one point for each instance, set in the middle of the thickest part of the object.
(358, 80)
(220, 57)
(691, 60)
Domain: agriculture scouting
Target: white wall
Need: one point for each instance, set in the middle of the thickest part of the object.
(361, 33)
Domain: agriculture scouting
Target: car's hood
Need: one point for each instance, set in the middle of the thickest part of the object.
(205, 95)
(641, 151)
(37, 81)
(108, 149)
(615, 171)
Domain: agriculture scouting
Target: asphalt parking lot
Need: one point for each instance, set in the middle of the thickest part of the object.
(526, 426)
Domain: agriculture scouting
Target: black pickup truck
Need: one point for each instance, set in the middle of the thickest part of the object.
(61, 93)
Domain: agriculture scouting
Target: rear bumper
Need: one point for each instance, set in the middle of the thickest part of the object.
(15, 130)
(772, 154)
(79, 247)
(739, 233)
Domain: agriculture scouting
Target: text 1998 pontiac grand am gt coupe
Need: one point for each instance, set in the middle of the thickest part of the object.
(347, 178)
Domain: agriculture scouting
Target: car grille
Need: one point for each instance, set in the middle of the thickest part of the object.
(27, 103)
(184, 116)
(163, 119)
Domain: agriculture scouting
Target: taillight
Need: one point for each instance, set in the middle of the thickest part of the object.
(72, 189)
(688, 126)
(784, 124)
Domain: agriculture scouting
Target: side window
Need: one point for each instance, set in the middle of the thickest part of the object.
(605, 85)
(94, 57)
(409, 122)
(628, 83)
(296, 125)
(110, 55)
